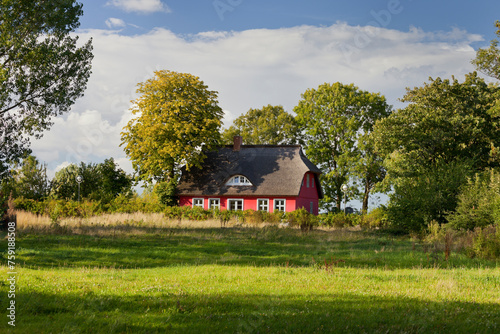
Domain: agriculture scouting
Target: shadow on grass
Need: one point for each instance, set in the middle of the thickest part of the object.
(248, 313)
(147, 247)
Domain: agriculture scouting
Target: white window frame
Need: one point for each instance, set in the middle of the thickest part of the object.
(202, 202)
(210, 206)
(239, 180)
(275, 207)
(229, 200)
(266, 205)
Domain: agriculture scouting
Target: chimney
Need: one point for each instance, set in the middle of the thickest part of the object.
(238, 141)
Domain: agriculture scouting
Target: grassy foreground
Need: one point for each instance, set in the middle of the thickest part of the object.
(139, 277)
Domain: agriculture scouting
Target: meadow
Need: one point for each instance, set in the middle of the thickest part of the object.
(127, 273)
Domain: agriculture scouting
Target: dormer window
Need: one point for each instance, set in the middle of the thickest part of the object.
(238, 180)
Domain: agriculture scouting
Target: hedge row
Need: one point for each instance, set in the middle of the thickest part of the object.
(61, 208)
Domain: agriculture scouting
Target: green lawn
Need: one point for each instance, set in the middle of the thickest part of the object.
(245, 280)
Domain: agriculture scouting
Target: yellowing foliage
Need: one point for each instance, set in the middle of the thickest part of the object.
(178, 119)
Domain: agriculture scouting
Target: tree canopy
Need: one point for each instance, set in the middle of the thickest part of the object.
(42, 69)
(178, 119)
(487, 60)
(101, 182)
(334, 117)
(446, 133)
(27, 179)
(445, 120)
(269, 125)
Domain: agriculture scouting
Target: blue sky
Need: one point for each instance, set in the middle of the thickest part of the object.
(255, 53)
(191, 17)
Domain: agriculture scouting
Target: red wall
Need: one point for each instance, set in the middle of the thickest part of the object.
(249, 202)
(306, 196)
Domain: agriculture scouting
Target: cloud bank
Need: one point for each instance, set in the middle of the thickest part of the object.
(249, 69)
(140, 6)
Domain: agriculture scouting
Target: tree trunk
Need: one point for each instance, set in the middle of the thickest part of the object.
(366, 195)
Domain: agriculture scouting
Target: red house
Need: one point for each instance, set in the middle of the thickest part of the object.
(258, 177)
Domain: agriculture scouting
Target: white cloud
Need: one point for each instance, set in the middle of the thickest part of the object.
(140, 6)
(113, 22)
(249, 69)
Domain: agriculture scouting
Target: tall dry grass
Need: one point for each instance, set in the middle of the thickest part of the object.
(107, 224)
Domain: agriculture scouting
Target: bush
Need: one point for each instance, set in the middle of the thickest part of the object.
(258, 217)
(376, 218)
(478, 202)
(340, 219)
(485, 243)
(302, 218)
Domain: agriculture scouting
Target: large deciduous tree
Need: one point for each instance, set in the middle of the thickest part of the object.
(178, 119)
(269, 125)
(42, 69)
(446, 133)
(335, 119)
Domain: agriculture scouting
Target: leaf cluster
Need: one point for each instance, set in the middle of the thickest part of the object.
(487, 60)
(178, 119)
(269, 125)
(337, 120)
(42, 69)
(101, 182)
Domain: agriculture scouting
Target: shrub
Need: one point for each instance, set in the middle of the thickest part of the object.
(166, 192)
(478, 202)
(340, 219)
(302, 218)
(376, 218)
(485, 242)
(30, 205)
(196, 213)
(254, 217)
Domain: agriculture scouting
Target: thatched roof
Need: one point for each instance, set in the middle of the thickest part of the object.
(272, 170)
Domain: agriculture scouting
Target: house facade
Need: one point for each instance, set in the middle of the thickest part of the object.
(258, 177)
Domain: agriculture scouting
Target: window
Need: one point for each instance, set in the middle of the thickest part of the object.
(263, 205)
(307, 180)
(280, 205)
(235, 204)
(200, 202)
(238, 180)
(312, 207)
(214, 203)
(312, 182)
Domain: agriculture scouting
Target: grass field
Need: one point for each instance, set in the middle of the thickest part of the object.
(132, 275)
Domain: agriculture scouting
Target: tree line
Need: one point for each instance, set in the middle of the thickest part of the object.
(431, 156)
(423, 155)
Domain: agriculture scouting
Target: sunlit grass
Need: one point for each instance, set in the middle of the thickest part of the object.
(153, 276)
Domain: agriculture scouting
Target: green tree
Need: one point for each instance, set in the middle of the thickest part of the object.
(447, 128)
(487, 60)
(101, 182)
(270, 125)
(334, 118)
(178, 121)
(42, 71)
(428, 195)
(444, 121)
(30, 179)
(369, 169)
